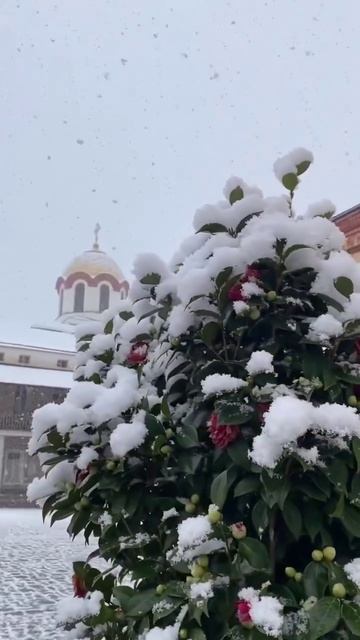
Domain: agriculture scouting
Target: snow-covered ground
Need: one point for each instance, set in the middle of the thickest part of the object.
(35, 571)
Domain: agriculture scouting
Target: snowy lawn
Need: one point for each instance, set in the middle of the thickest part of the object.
(35, 571)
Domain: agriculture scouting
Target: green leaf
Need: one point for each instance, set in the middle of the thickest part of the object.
(170, 605)
(187, 437)
(351, 520)
(312, 520)
(236, 194)
(260, 516)
(351, 617)
(344, 286)
(212, 227)
(151, 278)
(255, 553)
(292, 248)
(109, 326)
(247, 485)
(355, 490)
(140, 603)
(219, 488)
(153, 425)
(239, 453)
(223, 276)
(292, 516)
(276, 489)
(338, 474)
(210, 332)
(234, 412)
(315, 579)
(302, 166)
(331, 302)
(324, 617)
(246, 219)
(290, 181)
(356, 451)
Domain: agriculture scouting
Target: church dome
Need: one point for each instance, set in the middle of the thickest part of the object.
(91, 283)
(94, 262)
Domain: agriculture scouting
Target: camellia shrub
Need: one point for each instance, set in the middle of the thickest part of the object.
(210, 444)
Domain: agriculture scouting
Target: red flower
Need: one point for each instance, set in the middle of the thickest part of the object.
(262, 408)
(222, 434)
(251, 274)
(243, 608)
(235, 293)
(138, 354)
(81, 474)
(79, 587)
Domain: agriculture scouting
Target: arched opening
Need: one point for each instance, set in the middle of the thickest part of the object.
(61, 302)
(104, 297)
(79, 297)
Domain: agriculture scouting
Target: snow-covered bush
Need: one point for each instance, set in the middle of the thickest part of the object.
(211, 441)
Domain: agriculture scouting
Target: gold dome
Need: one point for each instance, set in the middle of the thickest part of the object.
(94, 262)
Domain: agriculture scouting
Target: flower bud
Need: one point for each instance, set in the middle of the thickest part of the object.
(238, 530)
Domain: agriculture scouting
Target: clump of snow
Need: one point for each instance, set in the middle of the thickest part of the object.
(170, 513)
(128, 436)
(289, 418)
(352, 570)
(265, 611)
(240, 307)
(55, 480)
(235, 182)
(250, 289)
(219, 383)
(352, 308)
(290, 162)
(193, 531)
(149, 263)
(168, 633)
(72, 609)
(321, 208)
(86, 456)
(201, 590)
(324, 327)
(260, 362)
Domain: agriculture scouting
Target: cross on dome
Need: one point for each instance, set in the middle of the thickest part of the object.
(96, 234)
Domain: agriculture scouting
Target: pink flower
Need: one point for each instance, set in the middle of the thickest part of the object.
(262, 408)
(222, 434)
(238, 530)
(235, 293)
(79, 587)
(138, 354)
(251, 274)
(81, 474)
(243, 608)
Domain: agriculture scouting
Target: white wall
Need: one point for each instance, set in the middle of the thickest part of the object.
(39, 358)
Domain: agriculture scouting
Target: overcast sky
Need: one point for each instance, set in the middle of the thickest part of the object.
(134, 112)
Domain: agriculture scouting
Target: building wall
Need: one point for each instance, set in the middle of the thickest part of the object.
(91, 298)
(38, 357)
(17, 468)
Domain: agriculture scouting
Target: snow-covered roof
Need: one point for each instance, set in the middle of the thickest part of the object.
(38, 338)
(32, 376)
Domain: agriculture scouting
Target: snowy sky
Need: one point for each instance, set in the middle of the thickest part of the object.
(134, 112)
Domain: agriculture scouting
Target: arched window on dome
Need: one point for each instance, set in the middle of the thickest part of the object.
(104, 297)
(79, 297)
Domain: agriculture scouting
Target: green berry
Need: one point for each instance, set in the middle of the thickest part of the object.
(166, 450)
(352, 401)
(189, 580)
(203, 561)
(195, 498)
(339, 590)
(254, 313)
(190, 507)
(329, 553)
(317, 555)
(271, 296)
(214, 516)
(110, 465)
(183, 634)
(290, 572)
(169, 433)
(160, 589)
(298, 576)
(84, 501)
(77, 506)
(197, 571)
